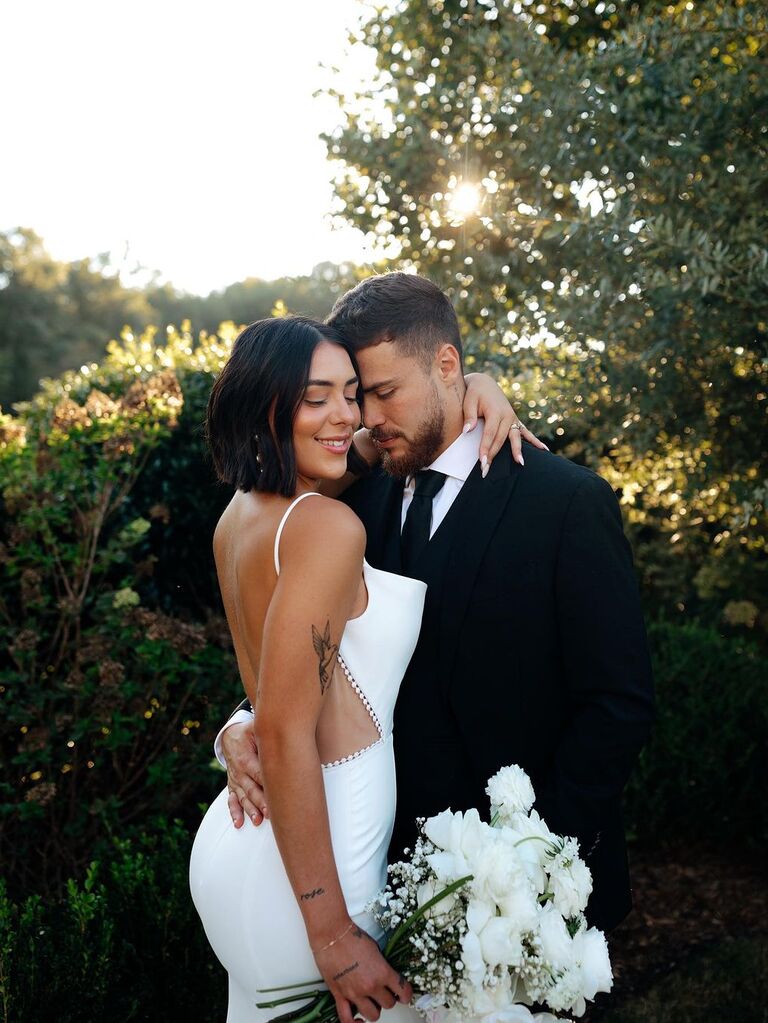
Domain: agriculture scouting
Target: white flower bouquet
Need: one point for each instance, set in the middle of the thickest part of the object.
(486, 919)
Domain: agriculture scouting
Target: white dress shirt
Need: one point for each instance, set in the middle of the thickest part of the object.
(457, 462)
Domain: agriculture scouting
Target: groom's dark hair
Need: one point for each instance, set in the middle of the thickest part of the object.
(403, 308)
(254, 401)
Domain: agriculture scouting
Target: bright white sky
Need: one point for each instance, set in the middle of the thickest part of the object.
(185, 130)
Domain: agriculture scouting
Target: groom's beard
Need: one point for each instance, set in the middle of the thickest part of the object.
(422, 449)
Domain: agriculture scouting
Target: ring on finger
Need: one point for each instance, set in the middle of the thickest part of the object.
(515, 426)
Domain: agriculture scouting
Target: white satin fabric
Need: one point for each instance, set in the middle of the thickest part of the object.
(237, 879)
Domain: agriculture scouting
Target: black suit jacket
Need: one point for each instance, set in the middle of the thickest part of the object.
(532, 651)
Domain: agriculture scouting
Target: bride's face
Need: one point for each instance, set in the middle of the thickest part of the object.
(328, 416)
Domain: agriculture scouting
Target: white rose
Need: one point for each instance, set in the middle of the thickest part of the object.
(445, 830)
(479, 912)
(500, 942)
(428, 891)
(591, 953)
(556, 942)
(472, 958)
(519, 905)
(483, 1001)
(510, 791)
(513, 1014)
(448, 867)
(433, 1008)
(533, 841)
(522, 1014)
(475, 835)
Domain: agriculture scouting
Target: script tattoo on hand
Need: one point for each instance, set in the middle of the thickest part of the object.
(312, 894)
(326, 652)
(343, 973)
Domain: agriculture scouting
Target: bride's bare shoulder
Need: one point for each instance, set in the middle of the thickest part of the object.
(322, 524)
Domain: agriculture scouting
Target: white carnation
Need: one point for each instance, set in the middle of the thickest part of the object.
(571, 887)
(510, 791)
(570, 879)
(497, 870)
(565, 993)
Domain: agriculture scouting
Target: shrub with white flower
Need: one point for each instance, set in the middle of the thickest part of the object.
(486, 919)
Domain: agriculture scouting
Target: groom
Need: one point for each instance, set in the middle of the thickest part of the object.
(532, 648)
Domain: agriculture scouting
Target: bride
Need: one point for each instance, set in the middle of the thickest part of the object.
(322, 641)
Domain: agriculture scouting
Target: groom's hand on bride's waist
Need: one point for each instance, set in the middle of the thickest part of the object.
(246, 795)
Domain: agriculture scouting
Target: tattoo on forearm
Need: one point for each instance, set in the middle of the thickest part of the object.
(343, 973)
(312, 894)
(358, 932)
(326, 652)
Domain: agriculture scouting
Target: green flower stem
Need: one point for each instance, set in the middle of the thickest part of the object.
(288, 987)
(289, 998)
(534, 838)
(316, 1012)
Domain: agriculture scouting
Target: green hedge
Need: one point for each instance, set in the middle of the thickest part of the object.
(702, 775)
(125, 943)
(117, 667)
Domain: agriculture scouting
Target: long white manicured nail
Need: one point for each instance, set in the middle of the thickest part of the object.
(484, 466)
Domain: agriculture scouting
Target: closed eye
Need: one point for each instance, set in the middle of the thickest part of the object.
(383, 395)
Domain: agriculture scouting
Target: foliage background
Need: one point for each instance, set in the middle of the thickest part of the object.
(613, 274)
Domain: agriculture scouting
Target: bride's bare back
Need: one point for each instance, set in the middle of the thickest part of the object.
(246, 533)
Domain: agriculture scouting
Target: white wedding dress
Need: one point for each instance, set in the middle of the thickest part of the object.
(238, 882)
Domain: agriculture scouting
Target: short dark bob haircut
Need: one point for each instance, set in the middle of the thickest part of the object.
(406, 309)
(254, 401)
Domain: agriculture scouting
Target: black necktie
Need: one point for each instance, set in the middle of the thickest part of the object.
(415, 535)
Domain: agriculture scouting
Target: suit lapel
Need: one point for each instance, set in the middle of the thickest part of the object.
(480, 504)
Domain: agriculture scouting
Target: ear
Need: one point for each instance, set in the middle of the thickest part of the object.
(448, 365)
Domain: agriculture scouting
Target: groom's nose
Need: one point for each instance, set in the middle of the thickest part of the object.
(372, 415)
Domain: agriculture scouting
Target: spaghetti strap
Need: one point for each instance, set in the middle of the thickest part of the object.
(288, 511)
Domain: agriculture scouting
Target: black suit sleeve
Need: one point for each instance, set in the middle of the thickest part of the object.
(244, 705)
(606, 668)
